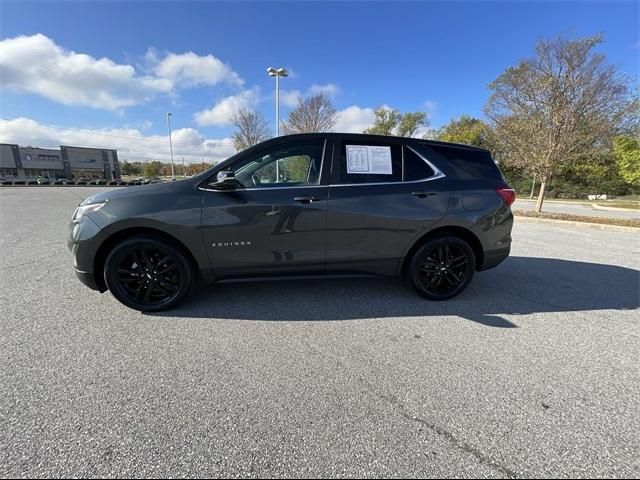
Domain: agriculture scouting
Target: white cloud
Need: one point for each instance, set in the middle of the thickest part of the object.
(329, 89)
(222, 112)
(37, 65)
(191, 70)
(354, 119)
(131, 143)
(290, 97)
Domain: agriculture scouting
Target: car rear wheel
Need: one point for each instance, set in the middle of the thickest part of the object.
(442, 267)
(148, 274)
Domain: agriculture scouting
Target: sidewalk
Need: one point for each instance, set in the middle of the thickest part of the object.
(573, 208)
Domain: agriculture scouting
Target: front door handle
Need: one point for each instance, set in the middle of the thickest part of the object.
(306, 199)
(422, 194)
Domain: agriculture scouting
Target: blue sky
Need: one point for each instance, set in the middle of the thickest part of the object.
(432, 56)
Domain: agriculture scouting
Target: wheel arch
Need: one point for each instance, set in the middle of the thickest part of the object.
(117, 237)
(450, 230)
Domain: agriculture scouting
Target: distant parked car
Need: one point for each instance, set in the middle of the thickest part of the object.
(43, 181)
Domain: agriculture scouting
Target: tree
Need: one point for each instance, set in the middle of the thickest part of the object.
(386, 121)
(251, 128)
(466, 130)
(152, 169)
(313, 114)
(391, 122)
(555, 108)
(128, 168)
(627, 153)
(410, 122)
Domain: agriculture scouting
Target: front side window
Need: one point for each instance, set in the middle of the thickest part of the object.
(296, 164)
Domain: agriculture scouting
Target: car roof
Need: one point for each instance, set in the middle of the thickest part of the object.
(329, 135)
(379, 138)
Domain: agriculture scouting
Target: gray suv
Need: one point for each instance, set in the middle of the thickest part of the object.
(310, 205)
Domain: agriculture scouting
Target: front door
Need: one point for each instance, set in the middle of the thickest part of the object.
(273, 223)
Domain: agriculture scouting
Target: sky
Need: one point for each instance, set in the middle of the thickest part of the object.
(105, 74)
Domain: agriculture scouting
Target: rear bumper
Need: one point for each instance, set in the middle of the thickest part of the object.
(493, 258)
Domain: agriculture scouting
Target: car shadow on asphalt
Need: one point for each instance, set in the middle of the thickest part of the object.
(519, 286)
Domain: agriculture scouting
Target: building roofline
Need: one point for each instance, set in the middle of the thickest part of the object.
(89, 148)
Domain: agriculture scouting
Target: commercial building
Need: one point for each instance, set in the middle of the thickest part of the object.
(69, 162)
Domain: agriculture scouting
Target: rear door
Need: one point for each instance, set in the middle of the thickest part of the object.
(382, 194)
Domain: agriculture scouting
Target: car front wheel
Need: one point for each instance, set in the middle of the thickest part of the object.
(442, 267)
(148, 274)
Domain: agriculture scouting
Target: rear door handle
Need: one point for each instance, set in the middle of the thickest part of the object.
(422, 194)
(306, 199)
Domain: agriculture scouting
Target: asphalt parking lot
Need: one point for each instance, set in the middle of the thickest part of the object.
(533, 371)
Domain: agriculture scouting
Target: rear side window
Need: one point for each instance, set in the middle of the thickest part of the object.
(369, 162)
(467, 164)
(415, 168)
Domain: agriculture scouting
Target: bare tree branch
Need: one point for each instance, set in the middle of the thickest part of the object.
(251, 128)
(313, 114)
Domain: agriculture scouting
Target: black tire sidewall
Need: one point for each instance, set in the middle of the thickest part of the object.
(416, 260)
(122, 249)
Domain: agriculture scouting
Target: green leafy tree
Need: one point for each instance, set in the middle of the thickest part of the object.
(627, 154)
(391, 122)
(128, 168)
(556, 108)
(466, 130)
(386, 121)
(153, 169)
(410, 122)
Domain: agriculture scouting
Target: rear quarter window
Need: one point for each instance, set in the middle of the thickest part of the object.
(466, 164)
(415, 168)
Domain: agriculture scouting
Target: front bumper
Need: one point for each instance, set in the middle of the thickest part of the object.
(88, 278)
(85, 237)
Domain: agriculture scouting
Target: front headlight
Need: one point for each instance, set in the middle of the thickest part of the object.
(83, 210)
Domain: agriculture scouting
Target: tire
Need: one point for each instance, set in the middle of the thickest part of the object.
(442, 268)
(148, 274)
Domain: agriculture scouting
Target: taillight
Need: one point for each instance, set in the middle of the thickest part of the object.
(507, 194)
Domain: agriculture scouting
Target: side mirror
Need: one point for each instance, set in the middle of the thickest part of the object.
(225, 180)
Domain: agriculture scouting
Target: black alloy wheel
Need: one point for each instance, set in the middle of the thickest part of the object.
(442, 267)
(148, 274)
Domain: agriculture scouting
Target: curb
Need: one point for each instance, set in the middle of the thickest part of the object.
(598, 226)
(595, 206)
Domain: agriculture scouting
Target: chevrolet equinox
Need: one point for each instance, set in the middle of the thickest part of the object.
(304, 205)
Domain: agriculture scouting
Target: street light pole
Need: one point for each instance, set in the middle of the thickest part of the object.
(277, 105)
(170, 145)
(277, 72)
